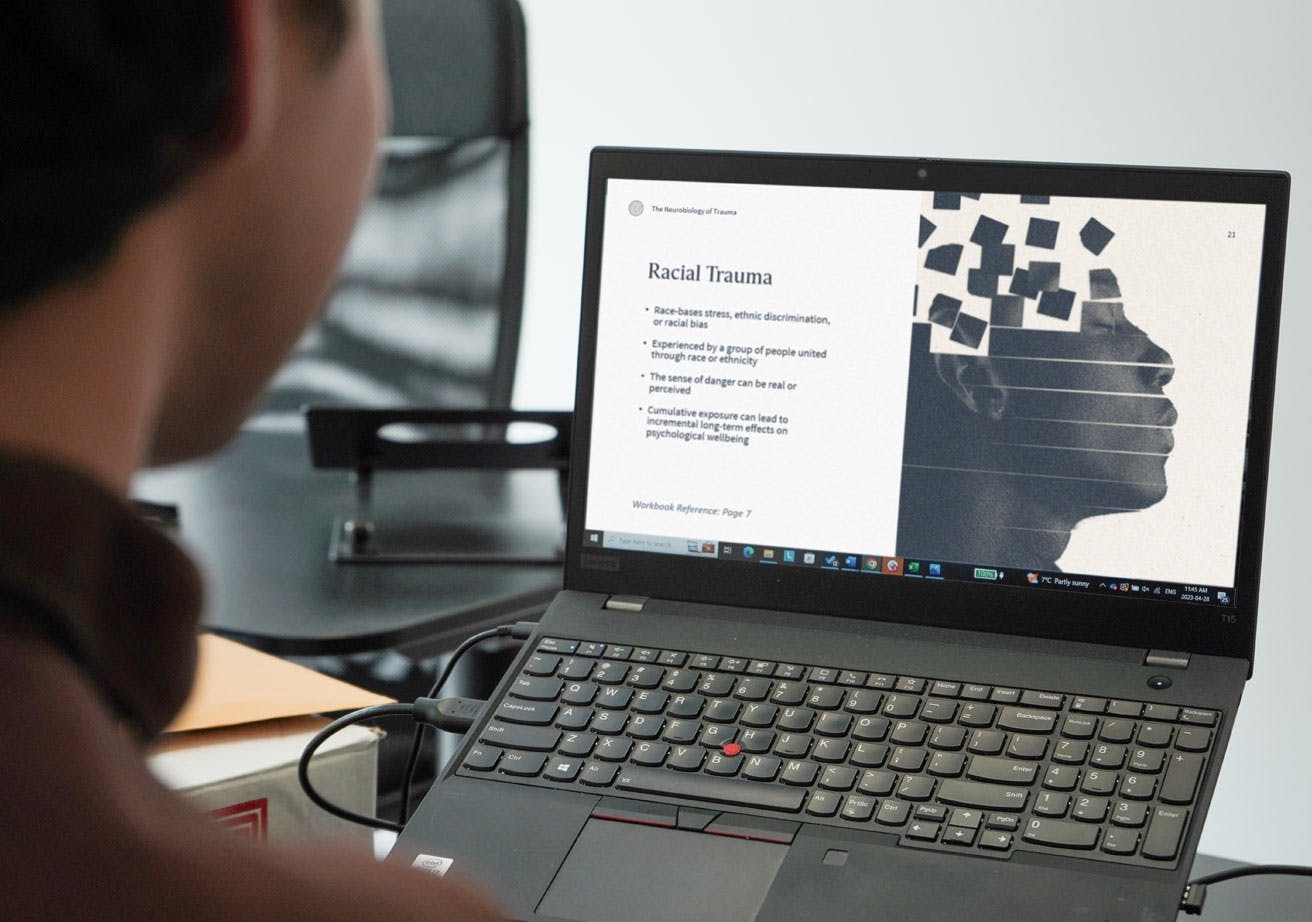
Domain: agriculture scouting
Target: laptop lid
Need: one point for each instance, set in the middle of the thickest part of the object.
(1018, 398)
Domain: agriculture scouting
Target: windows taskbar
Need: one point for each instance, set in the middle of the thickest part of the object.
(906, 567)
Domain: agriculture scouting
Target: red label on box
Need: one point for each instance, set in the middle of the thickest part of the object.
(249, 818)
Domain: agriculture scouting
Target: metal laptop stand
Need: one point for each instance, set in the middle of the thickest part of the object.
(367, 441)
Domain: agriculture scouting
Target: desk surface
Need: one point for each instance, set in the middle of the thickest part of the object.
(258, 518)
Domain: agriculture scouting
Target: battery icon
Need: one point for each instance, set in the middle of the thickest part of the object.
(985, 573)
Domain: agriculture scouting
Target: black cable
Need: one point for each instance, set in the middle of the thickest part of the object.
(1196, 893)
(303, 767)
(454, 714)
(519, 630)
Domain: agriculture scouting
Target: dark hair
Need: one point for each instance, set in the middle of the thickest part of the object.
(105, 105)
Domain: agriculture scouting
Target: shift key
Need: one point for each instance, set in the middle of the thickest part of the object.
(540, 739)
(985, 796)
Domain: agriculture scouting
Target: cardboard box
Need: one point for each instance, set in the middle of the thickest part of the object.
(234, 748)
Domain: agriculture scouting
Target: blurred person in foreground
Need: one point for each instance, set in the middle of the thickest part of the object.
(178, 182)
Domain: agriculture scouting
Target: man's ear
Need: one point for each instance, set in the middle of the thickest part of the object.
(253, 81)
(974, 381)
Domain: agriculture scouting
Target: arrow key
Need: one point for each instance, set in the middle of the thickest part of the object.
(924, 831)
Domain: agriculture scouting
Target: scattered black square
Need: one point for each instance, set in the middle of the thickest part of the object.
(945, 258)
(1021, 285)
(927, 227)
(1057, 303)
(1099, 316)
(988, 232)
(1103, 284)
(969, 331)
(999, 259)
(1007, 311)
(1034, 199)
(1042, 233)
(1045, 276)
(982, 284)
(1095, 236)
(947, 201)
(944, 310)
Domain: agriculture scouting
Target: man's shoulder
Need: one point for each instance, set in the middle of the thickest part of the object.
(86, 831)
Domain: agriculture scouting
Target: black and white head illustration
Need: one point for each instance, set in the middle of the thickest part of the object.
(1034, 400)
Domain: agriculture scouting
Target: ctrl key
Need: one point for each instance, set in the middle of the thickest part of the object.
(522, 764)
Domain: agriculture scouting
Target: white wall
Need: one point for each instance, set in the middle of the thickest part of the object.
(1173, 83)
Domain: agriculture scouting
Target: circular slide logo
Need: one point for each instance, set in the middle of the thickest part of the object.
(635, 207)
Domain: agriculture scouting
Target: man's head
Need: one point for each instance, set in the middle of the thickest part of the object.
(247, 127)
(1042, 381)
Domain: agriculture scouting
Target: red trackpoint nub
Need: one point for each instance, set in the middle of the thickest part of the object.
(732, 749)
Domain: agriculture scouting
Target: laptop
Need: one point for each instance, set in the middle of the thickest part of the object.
(913, 546)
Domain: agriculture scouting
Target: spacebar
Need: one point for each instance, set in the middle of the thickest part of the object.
(716, 790)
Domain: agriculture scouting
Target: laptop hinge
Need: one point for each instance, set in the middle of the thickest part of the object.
(626, 602)
(1167, 659)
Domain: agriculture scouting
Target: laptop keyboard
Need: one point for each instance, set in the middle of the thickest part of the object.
(942, 763)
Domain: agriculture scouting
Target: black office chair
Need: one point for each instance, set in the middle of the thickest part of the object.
(427, 311)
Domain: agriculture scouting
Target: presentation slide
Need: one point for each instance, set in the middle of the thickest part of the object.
(759, 337)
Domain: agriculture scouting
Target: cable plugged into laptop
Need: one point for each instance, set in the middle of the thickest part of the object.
(454, 715)
(1195, 894)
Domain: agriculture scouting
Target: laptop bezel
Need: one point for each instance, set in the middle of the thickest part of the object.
(1028, 611)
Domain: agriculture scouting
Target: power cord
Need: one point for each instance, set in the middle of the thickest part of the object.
(520, 630)
(455, 715)
(1195, 894)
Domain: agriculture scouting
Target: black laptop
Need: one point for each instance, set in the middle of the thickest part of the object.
(914, 538)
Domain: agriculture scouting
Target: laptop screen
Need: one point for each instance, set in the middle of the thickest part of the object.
(1017, 387)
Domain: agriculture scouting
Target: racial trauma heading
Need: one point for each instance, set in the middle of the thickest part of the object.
(708, 273)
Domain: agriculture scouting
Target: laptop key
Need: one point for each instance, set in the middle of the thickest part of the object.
(522, 764)
(1182, 774)
(1027, 720)
(986, 796)
(482, 758)
(576, 668)
(574, 718)
(537, 688)
(823, 803)
(652, 754)
(858, 808)
(577, 744)
(510, 736)
(599, 774)
(542, 664)
(761, 768)
(1061, 833)
(712, 790)
(681, 681)
(686, 706)
(527, 712)
(1164, 833)
(563, 769)
(798, 772)
(1006, 771)
(687, 758)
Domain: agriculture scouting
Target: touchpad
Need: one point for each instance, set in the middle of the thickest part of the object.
(645, 874)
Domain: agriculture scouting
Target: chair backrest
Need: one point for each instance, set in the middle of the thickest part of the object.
(427, 309)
